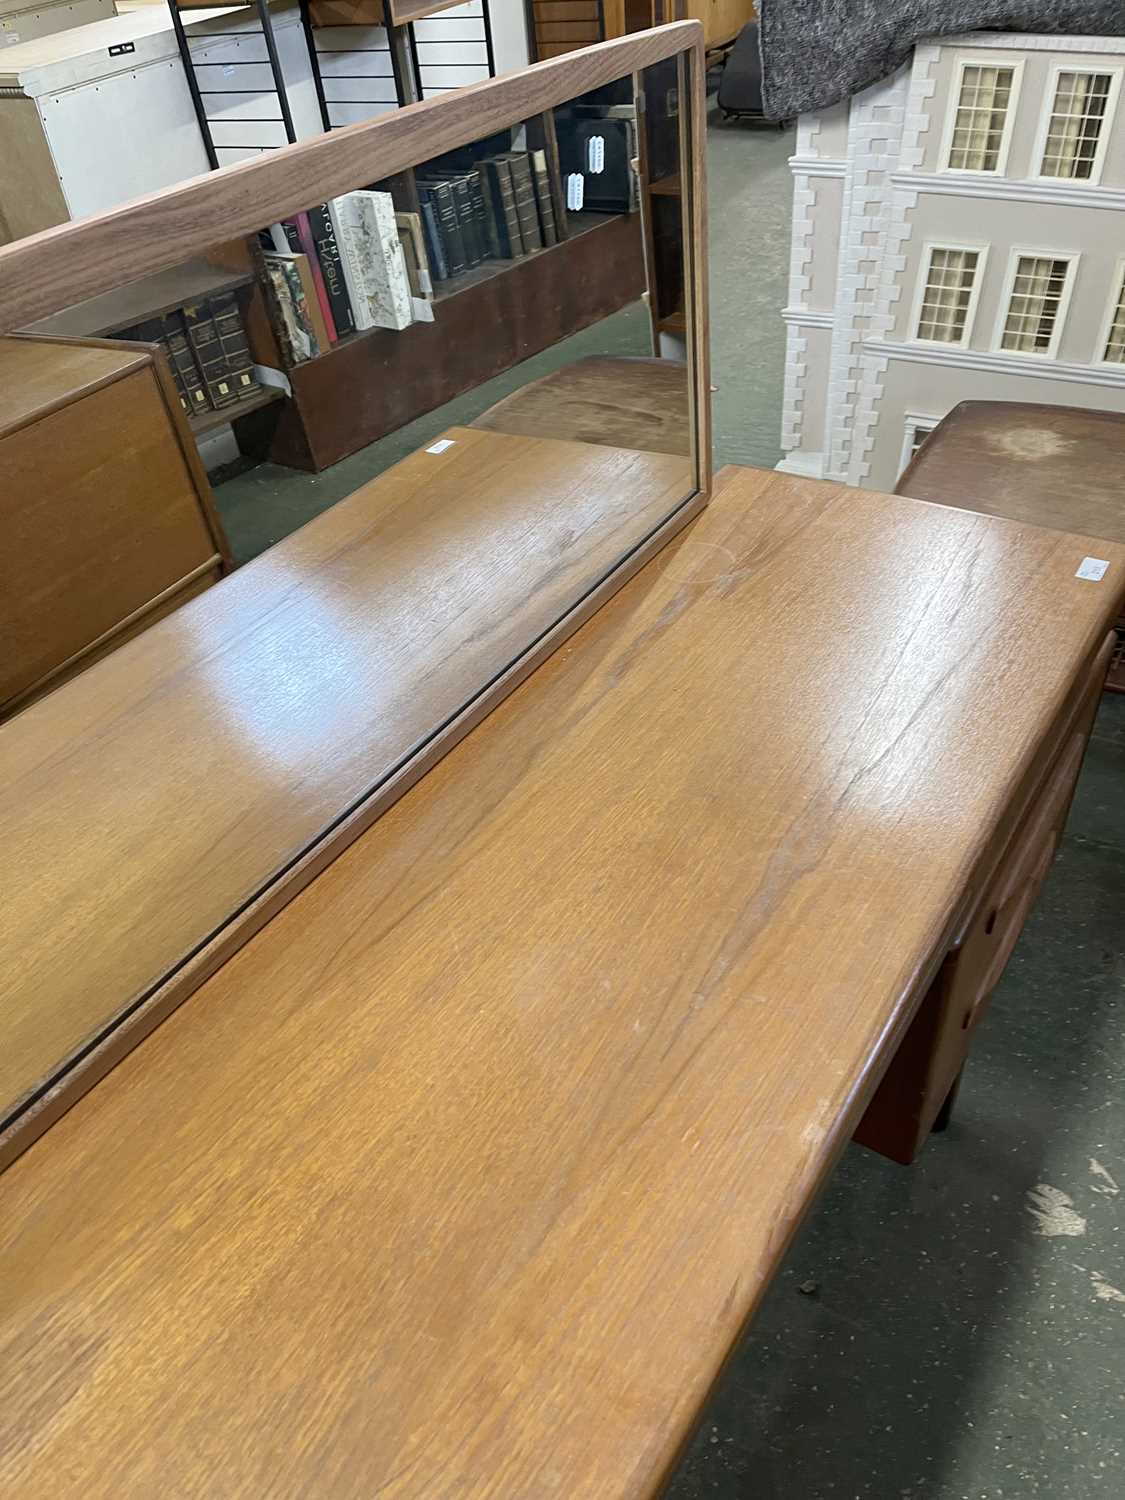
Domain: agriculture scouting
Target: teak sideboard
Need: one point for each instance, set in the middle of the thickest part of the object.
(500, 1034)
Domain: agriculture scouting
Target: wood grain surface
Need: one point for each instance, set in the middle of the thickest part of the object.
(37, 377)
(625, 401)
(152, 797)
(464, 1175)
(1055, 466)
(72, 262)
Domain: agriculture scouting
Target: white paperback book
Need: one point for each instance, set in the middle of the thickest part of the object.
(372, 258)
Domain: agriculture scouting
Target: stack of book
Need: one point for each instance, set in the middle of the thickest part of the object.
(498, 208)
(208, 352)
(343, 267)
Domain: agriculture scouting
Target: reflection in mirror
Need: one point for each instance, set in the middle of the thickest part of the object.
(449, 407)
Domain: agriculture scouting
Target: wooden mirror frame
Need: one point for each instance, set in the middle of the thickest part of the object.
(58, 267)
(55, 269)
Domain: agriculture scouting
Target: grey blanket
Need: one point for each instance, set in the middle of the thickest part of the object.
(815, 52)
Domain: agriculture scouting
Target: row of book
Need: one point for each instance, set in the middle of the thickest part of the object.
(207, 350)
(499, 208)
(347, 265)
(356, 262)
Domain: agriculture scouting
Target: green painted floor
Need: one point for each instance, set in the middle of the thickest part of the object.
(965, 1338)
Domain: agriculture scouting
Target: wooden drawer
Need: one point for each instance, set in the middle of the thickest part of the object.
(105, 516)
(932, 1053)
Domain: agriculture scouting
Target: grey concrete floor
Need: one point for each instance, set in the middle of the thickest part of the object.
(966, 1336)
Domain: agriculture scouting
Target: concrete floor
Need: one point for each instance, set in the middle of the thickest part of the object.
(966, 1335)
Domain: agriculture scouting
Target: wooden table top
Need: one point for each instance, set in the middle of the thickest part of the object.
(463, 1176)
(156, 793)
(627, 401)
(1055, 466)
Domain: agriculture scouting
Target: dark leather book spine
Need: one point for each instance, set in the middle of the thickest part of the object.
(504, 208)
(433, 238)
(543, 198)
(331, 267)
(526, 211)
(183, 363)
(235, 345)
(441, 194)
(467, 219)
(486, 224)
(208, 353)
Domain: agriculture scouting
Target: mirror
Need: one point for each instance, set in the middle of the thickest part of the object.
(462, 398)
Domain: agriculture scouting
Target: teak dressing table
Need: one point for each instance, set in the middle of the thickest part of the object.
(463, 1164)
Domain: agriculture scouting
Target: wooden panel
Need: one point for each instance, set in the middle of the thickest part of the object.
(470, 1168)
(574, 33)
(722, 19)
(37, 378)
(927, 1064)
(625, 402)
(276, 703)
(391, 378)
(152, 296)
(76, 261)
(31, 195)
(100, 517)
(566, 10)
(1049, 465)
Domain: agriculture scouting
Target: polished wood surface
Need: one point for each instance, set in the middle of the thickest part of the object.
(106, 511)
(1058, 466)
(165, 788)
(72, 262)
(622, 401)
(465, 1174)
(37, 377)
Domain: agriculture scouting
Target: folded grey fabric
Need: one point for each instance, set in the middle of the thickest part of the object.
(815, 52)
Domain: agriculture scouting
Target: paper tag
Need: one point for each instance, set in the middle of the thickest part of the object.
(1093, 568)
(421, 310)
(595, 154)
(575, 191)
(440, 446)
(425, 283)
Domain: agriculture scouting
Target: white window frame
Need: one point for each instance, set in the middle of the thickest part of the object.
(1015, 255)
(982, 59)
(1107, 321)
(928, 247)
(1047, 110)
(912, 420)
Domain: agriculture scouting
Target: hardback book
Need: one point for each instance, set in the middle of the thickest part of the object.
(292, 316)
(543, 198)
(328, 253)
(303, 267)
(498, 179)
(440, 194)
(487, 231)
(417, 260)
(236, 347)
(152, 332)
(467, 219)
(183, 363)
(208, 351)
(526, 210)
(308, 250)
(368, 238)
(438, 267)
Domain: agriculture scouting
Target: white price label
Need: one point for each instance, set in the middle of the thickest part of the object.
(1093, 568)
(595, 154)
(575, 191)
(440, 446)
